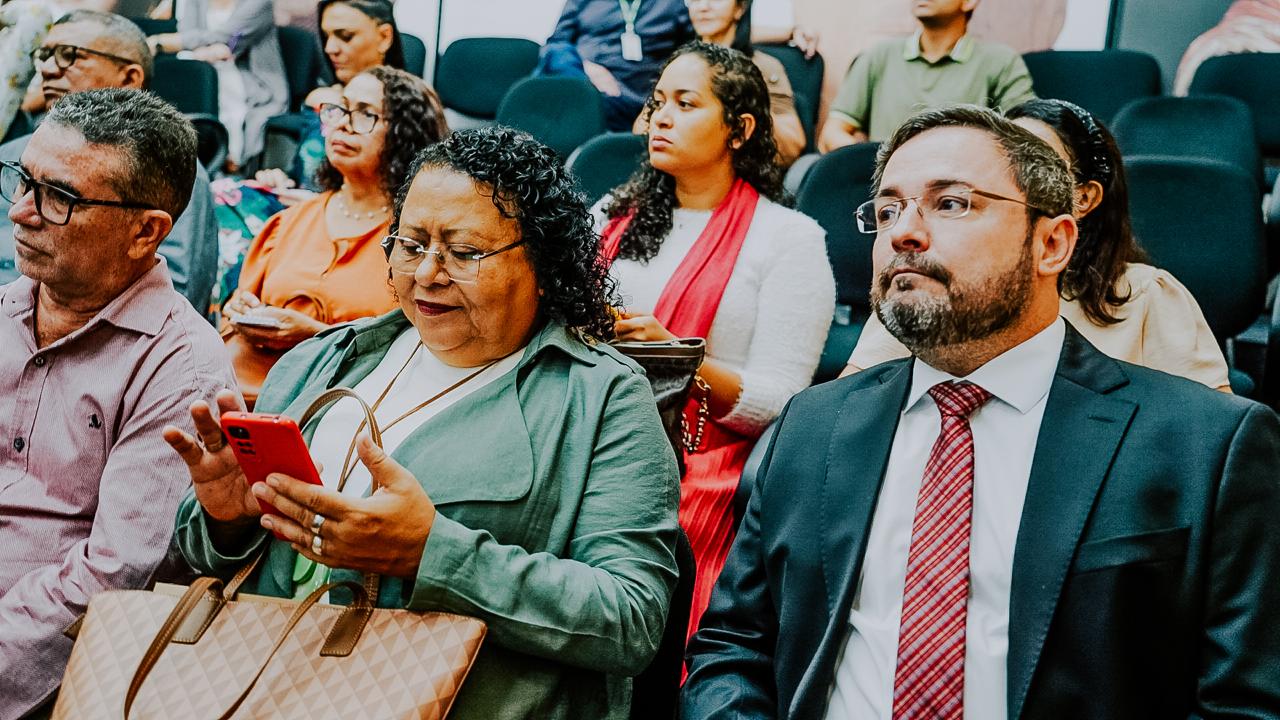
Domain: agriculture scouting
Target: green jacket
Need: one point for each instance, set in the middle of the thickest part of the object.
(557, 494)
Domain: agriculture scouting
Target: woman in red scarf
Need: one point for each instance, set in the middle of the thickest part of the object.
(702, 245)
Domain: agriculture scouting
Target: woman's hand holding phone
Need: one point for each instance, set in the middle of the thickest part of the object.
(220, 484)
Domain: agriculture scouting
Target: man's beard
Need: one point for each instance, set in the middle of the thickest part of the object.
(963, 313)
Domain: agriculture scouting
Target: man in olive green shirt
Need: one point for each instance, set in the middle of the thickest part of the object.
(938, 65)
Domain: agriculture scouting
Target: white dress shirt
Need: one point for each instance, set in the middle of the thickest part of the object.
(1005, 430)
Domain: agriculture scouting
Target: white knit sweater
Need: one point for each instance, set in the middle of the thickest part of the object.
(775, 313)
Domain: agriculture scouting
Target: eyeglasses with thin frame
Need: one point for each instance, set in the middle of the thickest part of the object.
(64, 56)
(950, 203)
(362, 121)
(461, 262)
(54, 204)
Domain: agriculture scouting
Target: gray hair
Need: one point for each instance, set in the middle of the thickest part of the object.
(1038, 171)
(126, 39)
(156, 141)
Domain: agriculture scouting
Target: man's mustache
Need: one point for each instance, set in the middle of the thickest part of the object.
(912, 262)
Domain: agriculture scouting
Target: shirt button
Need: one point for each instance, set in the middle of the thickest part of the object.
(39, 361)
(18, 444)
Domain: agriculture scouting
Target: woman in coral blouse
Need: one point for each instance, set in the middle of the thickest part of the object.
(319, 263)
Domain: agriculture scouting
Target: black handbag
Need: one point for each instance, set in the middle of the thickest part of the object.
(672, 366)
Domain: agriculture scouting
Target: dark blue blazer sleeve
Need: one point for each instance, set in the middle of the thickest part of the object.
(1240, 660)
(731, 658)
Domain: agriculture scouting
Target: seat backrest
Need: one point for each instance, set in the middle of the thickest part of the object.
(1202, 221)
(1100, 81)
(655, 692)
(304, 63)
(415, 54)
(830, 193)
(189, 85)
(1214, 127)
(805, 75)
(561, 112)
(606, 161)
(474, 74)
(1253, 78)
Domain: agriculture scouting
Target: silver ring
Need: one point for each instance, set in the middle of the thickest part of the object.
(317, 520)
(317, 545)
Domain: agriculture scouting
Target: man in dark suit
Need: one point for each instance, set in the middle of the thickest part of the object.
(1010, 524)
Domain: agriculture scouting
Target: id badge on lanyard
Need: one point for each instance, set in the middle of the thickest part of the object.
(632, 46)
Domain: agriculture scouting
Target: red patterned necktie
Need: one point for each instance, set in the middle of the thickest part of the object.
(929, 682)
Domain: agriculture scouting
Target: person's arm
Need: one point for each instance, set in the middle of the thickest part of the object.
(191, 248)
(603, 605)
(256, 264)
(250, 22)
(875, 345)
(788, 132)
(850, 111)
(1012, 86)
(1175, 336)
(1236, 676)
(796, 302)
(26, 24)
(802, 38)
(566, 30)
(138, 492)
(730, 659)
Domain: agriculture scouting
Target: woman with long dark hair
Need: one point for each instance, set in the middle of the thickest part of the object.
(704, 245)
(1128, 309)
(319, 262)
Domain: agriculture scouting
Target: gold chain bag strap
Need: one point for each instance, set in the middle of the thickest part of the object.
(214, 653)
(672, 369)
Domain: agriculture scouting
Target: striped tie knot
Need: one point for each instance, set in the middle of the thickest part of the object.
(958, 399)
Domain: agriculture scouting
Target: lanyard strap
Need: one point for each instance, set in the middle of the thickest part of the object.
(630, 11)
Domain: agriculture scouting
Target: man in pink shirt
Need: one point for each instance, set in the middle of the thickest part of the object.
(100, 353)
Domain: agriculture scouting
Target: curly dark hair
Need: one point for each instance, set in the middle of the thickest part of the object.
(415, 119)
(1106, 244)
(651, 193)
(529, 184)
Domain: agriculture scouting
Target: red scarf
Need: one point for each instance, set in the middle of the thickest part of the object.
(689, 302)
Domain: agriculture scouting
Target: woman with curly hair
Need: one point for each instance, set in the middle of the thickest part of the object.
(703, 245)
(1128, 309)
(525, 477)
(318, 263)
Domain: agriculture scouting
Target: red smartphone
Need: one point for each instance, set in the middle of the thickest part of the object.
(265, 444)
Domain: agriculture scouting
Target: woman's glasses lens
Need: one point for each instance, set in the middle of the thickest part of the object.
(362, 121)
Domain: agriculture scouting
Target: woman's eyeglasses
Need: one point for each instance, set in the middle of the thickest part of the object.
(362, 122)
(461, 262)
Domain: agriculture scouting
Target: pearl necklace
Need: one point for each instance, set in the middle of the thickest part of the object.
(346, 213)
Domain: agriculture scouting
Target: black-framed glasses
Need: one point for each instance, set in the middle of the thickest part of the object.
(362, 121)
(52, 203)
(64, 56)
(461, 262)
(949, 203)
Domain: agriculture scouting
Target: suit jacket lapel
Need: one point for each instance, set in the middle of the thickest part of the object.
(1079, 436)
(856, 461)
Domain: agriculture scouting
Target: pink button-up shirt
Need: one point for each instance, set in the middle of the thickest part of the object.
(88, 487)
